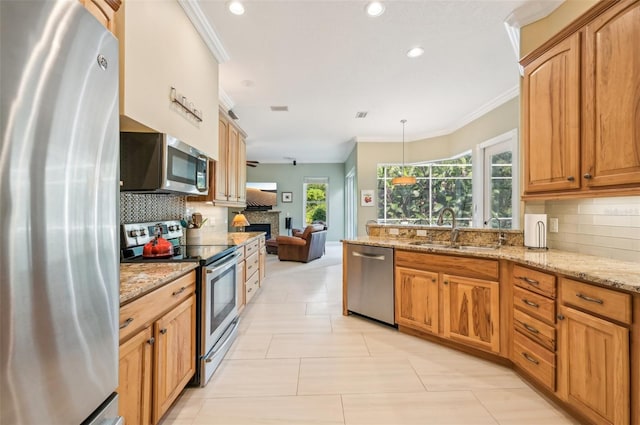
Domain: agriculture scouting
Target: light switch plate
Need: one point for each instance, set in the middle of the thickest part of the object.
(553, 225)
(421, 232)
(394, 231)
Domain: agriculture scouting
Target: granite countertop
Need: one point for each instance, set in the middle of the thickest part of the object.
(618, 274)
(137, 279)
(233, 238)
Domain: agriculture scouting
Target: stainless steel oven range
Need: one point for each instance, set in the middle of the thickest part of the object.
(217, 315)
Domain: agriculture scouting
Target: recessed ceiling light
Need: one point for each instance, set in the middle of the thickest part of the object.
(415, 52)
(374, 8)
(236, 7)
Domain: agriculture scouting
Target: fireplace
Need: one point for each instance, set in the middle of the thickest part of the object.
(261, 227)
(263, 218)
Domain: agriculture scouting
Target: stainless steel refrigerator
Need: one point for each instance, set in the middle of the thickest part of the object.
(59, 272)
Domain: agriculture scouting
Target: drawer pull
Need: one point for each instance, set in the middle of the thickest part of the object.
(571, 178)
(249, 290)
(126, 323)
(151, 340)
(528, 280)
(588, 298)
(179, 291)
(531, 359)
(531, 329)
(163, 331)
(530, 303)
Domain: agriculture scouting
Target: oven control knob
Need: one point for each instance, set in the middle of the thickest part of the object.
(133, 233)
(143, 232)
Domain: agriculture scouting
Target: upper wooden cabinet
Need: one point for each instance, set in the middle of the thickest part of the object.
(551, 90)
(160, 50)
(581, 120)
(611, 112)
(104, 11)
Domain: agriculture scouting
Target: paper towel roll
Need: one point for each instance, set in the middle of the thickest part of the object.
(535, 234)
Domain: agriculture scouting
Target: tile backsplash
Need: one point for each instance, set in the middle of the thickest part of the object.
(139, 207)
(217, 217)
(607, 227)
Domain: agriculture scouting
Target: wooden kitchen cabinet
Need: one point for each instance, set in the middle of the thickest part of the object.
(222, 166)
(611, 140)
(104, 11)
(157, 350)
(242, 169)
(175, 355)
(472, 311)
(551, 124)
(593, 369)
(580, 96)
(135, 376)
(457, 298)
(417, 304)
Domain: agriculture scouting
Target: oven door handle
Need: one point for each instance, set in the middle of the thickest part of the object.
(228, 263)
(225, 340)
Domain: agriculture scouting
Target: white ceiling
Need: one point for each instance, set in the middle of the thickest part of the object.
(327, 60)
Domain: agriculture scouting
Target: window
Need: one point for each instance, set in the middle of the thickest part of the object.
(446, 183)
(316, 190)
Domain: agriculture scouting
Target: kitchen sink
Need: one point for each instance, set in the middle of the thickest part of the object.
(431, 244)
(477, 248)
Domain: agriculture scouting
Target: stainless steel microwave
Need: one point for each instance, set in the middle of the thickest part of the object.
(160, 163)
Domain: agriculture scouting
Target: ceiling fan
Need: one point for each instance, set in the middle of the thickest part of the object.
(252, 163)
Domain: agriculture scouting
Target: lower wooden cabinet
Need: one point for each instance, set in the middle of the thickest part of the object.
(157, 350)
(593, 375)
(175, 355)
(135, 378)
(417, 304)
(472, 311)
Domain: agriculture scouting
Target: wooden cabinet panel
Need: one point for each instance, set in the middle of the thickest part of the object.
(175, 356)
(222, 166)
(459, 266)
(416, 298)
(251, 286)
(551, 118)
(605, 302)
(611, 115)
(263, 263)
(533, 280)
(242, 170)
(472, 311)
(252, 263)
(535, 305)
(134, 389)
(535, 360)
(240, 278)
(232, 184)
(594, 366)
(535, 329)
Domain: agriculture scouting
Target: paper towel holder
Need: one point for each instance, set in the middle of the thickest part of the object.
(541, 228)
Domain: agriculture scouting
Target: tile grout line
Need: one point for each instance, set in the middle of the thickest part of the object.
(344, 417)
(298, 380)
(484, 406)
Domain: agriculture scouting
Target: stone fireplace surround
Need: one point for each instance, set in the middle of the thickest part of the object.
(265, 217)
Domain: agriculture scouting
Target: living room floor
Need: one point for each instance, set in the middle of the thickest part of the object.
(298, 361)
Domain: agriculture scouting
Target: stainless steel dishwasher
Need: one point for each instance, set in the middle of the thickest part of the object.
(370, 282)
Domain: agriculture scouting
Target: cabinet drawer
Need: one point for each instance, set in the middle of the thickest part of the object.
(251, 287)
(537, 361)
(459, 266)
(251, 248)
(535, 329)
(261, 241)
(240, 254)
(605, 302)
(252, 263)
(142, 312)
(541, 283)
(535, 305)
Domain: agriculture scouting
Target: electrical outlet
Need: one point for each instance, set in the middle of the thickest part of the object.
(421, 232)
(394, 231)
(553, 225)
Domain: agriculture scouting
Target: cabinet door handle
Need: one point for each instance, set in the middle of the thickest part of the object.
(179, 291)
(249, 290)
(433, 280)
(446, 282)
(531, 359)
(528, 280)
(587, 176)
(530, 303)
(531, 329)
(571, 178)
(151, 340)
(560, 316)
(163, 331)
(126, 323)
(588, 298)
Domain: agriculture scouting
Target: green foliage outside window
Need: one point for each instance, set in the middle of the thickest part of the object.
(439, 184)
(316, 202)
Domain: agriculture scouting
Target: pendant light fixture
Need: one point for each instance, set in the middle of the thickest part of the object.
(403, 180)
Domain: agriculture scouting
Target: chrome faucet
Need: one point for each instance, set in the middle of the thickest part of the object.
(502, 238)
(454, 229)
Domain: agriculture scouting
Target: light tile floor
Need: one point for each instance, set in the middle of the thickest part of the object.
(298, 361)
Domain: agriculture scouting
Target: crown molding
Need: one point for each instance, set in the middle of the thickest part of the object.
(207, 33)
(225, 101)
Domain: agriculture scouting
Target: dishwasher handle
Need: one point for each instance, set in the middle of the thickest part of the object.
(369, 256)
